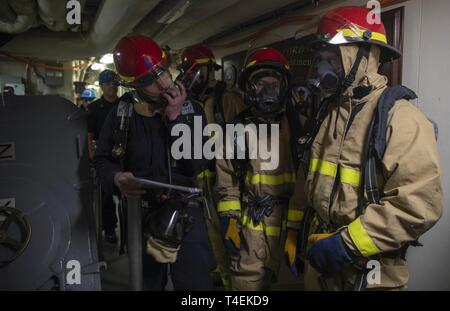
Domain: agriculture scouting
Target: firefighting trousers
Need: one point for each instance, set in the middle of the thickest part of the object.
(258, 262)
(207, 183)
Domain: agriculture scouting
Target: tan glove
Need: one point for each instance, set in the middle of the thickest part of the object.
(232, 233)
(161, 252)
(290, 247)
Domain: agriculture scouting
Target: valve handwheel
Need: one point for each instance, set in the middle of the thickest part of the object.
(13, 216)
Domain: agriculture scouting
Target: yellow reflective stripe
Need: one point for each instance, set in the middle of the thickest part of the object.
(347, 175)
(204, 60)
(295, 215)
(323, 167)
(250, 64)
(313, 165)
(225, 206)
(225, 281)
(361, 239)
(261, 179)
(358, 33)
(350, 176)
(126, 78)
(206, 174)
(269, 230)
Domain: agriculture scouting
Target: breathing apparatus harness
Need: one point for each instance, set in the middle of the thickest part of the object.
(167, 219)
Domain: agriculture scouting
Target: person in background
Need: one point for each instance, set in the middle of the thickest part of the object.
(221, 106)
(98, 110)
(86, 98)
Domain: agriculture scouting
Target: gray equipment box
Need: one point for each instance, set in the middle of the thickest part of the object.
(47, 230)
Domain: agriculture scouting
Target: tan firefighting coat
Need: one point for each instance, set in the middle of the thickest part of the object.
(232, 104)
(411, 200)
(278, 182)
(257, 265)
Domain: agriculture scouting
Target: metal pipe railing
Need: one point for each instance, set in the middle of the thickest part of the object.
(134, 224)
(135, 244)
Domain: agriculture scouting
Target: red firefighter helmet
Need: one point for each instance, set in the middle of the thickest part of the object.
(199, 54)
(263, 58)
(353, 24)
(136, 55)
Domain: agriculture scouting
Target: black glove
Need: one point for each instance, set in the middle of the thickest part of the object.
(328, 255)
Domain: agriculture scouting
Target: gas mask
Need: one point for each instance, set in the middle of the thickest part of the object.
(326, 73)
(267, 92)
(190, 74)
(199, 80)
(169, 223)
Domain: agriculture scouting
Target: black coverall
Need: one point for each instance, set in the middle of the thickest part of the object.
(146, 156)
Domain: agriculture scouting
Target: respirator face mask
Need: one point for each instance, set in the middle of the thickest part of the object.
(199, 79)
(326, 73)
(265, 90)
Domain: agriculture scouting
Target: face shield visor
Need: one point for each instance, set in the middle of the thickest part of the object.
(191, 76)
(348, 32)
(200, 80)
(159, 75)
(154, 83)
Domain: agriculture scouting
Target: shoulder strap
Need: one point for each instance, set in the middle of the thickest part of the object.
(297, 131)
(240, 166)
(219, 115)
(386, 102)
(376, 142)
(304, 143)
(124, 113)
(375, 148)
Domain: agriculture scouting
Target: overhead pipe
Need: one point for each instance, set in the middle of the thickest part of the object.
(101, 38)
(53, 14)
(150, 25)
(7, 15)
(21, 15)
(234, 15)
(198, 10)
(276, 14)
(26, 12)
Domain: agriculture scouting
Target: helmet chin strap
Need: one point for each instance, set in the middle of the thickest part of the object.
(363, 51)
